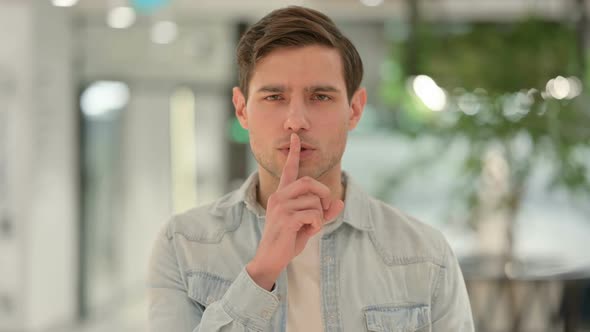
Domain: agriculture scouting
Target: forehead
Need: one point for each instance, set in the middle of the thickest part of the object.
(299, 67)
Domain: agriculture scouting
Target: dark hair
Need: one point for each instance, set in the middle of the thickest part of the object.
(296, 26)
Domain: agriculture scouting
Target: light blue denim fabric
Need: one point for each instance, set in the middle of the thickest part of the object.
(380, 271)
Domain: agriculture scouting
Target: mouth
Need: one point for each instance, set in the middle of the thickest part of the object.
(304, 152)
(304, 146)
(287, 149)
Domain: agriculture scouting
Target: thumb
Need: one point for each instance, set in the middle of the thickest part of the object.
(335, 209)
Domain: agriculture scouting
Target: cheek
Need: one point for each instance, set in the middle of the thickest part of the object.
(261, 116)
(262, 126)
(262, 133)
(331, 123)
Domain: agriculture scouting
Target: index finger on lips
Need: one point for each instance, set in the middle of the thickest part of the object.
(291, 168)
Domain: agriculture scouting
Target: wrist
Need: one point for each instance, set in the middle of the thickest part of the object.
(261, 276)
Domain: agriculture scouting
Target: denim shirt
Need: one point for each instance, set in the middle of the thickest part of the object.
(381, 270)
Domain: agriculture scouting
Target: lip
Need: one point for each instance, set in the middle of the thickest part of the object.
(303, 146)
(303, 154)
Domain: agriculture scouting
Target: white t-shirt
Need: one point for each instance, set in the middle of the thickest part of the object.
(303, 293)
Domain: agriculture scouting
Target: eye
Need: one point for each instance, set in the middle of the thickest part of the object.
(273, 97)
(321, 97)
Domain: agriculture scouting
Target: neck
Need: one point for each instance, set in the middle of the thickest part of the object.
(268, 184)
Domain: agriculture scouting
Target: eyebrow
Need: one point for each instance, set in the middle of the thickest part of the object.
(313, 88)
(272, 88)
(322, 88)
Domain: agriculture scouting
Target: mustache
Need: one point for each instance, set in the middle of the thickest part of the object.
(303, 139)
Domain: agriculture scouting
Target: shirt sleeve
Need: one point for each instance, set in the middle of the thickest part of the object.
(451, 310)
(245, 306)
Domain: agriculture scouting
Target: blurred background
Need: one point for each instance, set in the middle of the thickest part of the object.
(115, 114)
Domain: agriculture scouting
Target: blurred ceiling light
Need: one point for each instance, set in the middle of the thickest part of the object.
(104, 97)
(517, 105)
(433, 96)
(121, 17)
(469, 103)
(559, 87)
(164, 32)
(64, 3)
(575, 87)
(371, 3)
(564, 88)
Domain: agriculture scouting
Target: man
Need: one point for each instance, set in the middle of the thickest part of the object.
(300, 247)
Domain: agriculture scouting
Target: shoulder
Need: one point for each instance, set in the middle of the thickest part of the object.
(206, 223)
(402, 239)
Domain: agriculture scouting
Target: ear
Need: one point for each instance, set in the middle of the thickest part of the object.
(240, 106)
(357, 106)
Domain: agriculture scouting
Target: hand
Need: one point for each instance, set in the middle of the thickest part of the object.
(295, 212)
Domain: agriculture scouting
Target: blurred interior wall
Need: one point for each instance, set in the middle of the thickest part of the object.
(38, 282)
(199, 63)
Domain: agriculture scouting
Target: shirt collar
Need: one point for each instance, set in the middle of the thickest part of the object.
(356, 207)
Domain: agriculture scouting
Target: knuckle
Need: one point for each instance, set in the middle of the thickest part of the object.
(317, 220)
(312, 215)
(278, 207)
(317, 200)
(306, 180)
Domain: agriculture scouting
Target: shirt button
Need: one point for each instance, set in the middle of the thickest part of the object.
(329, 259)
(266, 314)
(332, 319)
(279, 297)
(210, 299)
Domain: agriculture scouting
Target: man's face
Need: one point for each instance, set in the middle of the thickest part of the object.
(299, 90)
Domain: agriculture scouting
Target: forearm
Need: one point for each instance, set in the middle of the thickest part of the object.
(203, 302)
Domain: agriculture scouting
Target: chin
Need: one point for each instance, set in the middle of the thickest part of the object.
(313, 173)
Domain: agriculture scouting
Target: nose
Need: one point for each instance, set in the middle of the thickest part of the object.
(296, 117)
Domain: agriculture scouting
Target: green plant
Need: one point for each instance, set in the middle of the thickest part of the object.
(495, 78)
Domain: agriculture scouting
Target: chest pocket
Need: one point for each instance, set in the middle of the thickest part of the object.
(205, 288)
(391, 318)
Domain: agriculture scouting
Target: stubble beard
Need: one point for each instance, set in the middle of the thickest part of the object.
(313, 171)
